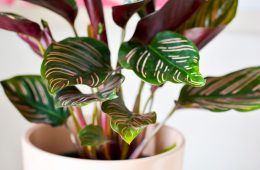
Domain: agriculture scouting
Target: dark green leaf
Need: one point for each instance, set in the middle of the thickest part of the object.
(30, 96)
(66, 8)
(127, 124)
(91, 135)
(239, 91)
(209, 20)
(71, 96)
(76, 61)
(169, 57)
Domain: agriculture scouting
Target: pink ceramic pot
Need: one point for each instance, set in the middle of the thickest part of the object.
(42, 145)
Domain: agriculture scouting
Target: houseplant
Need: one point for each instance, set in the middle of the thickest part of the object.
(158, 52)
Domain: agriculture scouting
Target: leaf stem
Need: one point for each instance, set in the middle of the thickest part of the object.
(75, 31)
(146, 141)
(79, 114)
(136, 108)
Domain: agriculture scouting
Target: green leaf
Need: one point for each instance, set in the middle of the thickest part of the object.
(30, 96)
(71, 96)
(127, 124)
(76, 61)
(91, 135)
(239, 90)
(168, 149)
(169, 57)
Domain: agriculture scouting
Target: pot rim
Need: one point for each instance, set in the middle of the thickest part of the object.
(26, 140)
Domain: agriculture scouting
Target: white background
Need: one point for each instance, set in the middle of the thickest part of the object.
(223, 141)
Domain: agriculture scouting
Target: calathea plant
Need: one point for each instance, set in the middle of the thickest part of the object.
(164, 48)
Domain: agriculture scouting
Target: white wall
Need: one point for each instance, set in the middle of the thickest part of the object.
(224, 141)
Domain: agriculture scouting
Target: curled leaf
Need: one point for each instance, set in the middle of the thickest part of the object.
(91, 135)
(127, 124)
(71, 96)
(76, 61)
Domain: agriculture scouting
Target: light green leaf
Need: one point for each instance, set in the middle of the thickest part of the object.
(76, 61)
(169, 57)
(30, 96)
(71, 96)
(239, 90)
(168, 149)
(127, 124)
(91, 135)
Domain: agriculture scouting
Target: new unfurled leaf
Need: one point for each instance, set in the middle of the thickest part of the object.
(209, 20)
(19, 24)
(169, 57)
(239, 91)
(66, 8)
(96, 16)
(71, 96)
(30, 96)
(76, 61)
(170, 17)
(122, 13)
(91, 135)
(127, 124)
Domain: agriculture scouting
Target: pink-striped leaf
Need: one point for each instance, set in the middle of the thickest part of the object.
(239, 90)
(126, 123)
(76, 61)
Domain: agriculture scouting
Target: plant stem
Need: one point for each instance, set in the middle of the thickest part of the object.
(74, 140)
(147, 102)
(76, 123)
(136, 108)
(146, 141)
(79, 114)
(75, 31)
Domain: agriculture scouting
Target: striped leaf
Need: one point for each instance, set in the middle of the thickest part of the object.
(66, 8)
(169, 57)
(239, 91)
(127, 124)
(91, 135)
(30, 96)
(76, 61)
(209, 20)
(71, 96)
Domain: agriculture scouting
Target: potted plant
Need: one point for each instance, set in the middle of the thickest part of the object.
(164, 48)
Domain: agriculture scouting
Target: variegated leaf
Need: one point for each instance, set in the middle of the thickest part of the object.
(169, 57)
(212, 14)
(127, 124)
(239, 91)
(71, 96)
(91, 135)
(208, 21)
(30, 96)
(66, 8)
(76, 61)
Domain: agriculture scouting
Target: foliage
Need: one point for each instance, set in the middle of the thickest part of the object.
(164, 48)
